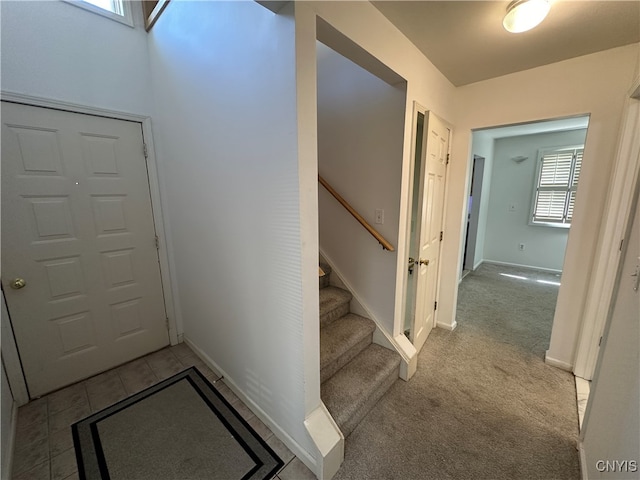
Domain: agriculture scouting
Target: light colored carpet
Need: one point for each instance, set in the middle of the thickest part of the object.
(483, 404)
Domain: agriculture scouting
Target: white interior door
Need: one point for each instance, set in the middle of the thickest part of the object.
(436, 146)
(77, 228)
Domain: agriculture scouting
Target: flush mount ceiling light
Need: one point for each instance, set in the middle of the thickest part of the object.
(523, 15)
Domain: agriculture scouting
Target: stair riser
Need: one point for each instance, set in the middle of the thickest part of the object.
(327, 371)
(324, 281)
(332, 315)
(357, 417)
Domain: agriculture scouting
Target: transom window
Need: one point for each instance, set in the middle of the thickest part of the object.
(118, 10)
(557, 183)
(114, 6)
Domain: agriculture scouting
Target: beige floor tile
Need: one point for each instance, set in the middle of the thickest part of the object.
(102, 377)
(191, 360)
(30, 434)
(244, 411)
(164, 364)
(260, 428)
(296, 470)
(106, 393)
(137, 376)
(208, 373)
(33, 412)
(65, 418)
(39, 472)
(72, 396)
(281, 449)
(26, 458)
(60, 441)
(181, 350)
(63, 465)
(226, 392)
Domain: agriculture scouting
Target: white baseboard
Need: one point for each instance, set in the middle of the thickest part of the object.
(283, 436)
(517, 265)
(447, 326)
(557, 363)
(583, 462)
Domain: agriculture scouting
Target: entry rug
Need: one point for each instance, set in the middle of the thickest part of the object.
(181, 428)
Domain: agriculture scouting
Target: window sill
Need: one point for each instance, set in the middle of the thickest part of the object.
(550, 224)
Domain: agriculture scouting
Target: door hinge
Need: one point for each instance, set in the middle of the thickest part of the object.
(441, 235)
(435, 306)
(145, 151)
(621, 242)
(600, 341)
(447, 159)
(157, 243)
(166, 322)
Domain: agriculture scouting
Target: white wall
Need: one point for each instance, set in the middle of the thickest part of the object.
(226, 139)
(6, 426)
(360, 128)
(594, 84)
(611, 429)
(513, 184)
(367, 27)
(55, 50)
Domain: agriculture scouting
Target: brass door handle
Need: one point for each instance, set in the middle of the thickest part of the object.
(18, 283)
(423, 262)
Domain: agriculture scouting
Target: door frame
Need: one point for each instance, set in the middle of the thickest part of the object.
(402, 262)
(616, 217)
(473, 215)
(417, 108)
(11, 355)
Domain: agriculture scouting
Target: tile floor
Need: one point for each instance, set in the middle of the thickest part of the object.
(44, 446)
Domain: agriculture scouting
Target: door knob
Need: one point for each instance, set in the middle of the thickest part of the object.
(18, 283)
(423, 262)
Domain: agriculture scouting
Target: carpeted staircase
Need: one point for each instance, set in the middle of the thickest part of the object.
(355, 373)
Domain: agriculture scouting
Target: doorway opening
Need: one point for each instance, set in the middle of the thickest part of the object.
(522, 191)
(424, 232)
(473, 214)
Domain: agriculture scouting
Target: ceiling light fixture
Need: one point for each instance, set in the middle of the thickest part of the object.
(523, 15)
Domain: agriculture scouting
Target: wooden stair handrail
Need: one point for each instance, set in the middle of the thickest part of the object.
(385, 244)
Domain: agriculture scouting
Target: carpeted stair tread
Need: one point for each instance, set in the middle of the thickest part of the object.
(334, 303)
(341, 341)
(324, 279)
(357, 387)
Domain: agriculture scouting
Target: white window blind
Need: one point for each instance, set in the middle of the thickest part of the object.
(558, 175)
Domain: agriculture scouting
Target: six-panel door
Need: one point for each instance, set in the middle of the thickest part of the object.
(77, 227)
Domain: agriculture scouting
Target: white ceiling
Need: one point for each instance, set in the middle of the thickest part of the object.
(465, 40)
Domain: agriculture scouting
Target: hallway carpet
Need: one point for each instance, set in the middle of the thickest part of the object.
(483, 404)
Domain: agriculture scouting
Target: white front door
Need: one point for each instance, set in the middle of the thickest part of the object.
(80, 268)
(436, 144)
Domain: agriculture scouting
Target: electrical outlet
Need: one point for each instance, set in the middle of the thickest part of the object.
(521, 247)
(379, 216)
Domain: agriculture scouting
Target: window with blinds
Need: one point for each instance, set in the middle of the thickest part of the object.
(557, 183)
